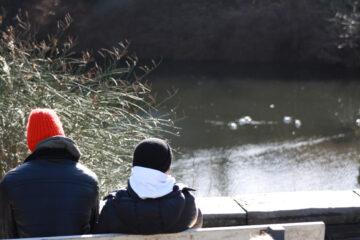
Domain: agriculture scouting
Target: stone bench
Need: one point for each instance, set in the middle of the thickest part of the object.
(291, 231)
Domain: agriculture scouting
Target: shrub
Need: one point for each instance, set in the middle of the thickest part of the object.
(106, 110)
(346, 26)
(348, 22)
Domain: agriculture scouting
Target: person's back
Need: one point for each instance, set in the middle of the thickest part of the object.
(152, 202)
(125, 212)
(50, 194)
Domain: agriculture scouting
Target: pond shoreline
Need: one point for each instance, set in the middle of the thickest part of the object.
(256, 71)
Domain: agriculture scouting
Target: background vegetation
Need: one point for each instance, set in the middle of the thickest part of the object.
(106, 110)
(346, 22)
(242, 31)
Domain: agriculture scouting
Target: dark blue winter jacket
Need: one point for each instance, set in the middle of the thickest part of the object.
(50, 194)
(125, 212)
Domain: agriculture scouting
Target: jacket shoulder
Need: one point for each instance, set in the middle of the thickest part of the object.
(118, 194)
(87, 172)
(3, 185)
(16, 174)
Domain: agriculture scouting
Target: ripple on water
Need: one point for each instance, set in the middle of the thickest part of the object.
(302, 164)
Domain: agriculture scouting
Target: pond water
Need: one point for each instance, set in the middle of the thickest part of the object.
(245, 134)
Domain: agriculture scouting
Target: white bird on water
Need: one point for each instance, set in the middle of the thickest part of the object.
(358, 122)
(297, 123)
(287, 119)
(232, 125)
(244, 120)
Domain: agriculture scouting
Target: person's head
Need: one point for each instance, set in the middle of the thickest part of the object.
(153, 153)
(43, 123)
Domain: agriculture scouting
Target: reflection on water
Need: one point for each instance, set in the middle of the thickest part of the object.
(300, 164)
(254, 135)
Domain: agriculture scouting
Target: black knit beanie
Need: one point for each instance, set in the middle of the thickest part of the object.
(153, 153)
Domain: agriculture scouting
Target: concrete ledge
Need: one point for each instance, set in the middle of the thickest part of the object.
(221, 211)
(332, 207)
(340, 210)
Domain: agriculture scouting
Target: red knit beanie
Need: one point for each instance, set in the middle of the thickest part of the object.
(42, 123)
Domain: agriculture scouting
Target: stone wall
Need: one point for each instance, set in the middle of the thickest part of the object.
(340, 210)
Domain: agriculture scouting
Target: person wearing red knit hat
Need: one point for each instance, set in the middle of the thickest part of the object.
(51, 193)
(43, 123)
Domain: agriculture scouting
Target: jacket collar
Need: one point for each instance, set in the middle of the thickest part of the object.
(58, 147)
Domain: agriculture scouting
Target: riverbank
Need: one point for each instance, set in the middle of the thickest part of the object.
(252, 71)
(340, 210)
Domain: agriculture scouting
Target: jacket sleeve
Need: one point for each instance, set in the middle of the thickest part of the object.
(197, 217)
(192, 215)
(7, 222)
(94, 213)
(199, 220)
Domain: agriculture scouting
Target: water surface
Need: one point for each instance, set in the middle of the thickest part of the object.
(221, 155)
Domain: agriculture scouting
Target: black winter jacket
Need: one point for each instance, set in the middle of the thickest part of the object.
(125, 212)
(50, 194)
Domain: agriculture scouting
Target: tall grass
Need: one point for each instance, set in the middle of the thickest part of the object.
(106, 110)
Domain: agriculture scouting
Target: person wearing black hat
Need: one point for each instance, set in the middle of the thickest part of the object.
(152, 202)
